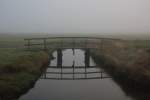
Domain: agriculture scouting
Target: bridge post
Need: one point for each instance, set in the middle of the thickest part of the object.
(59, 60)
(45, 47)
(28, 44)
(101, 45)
(59, 57)
(61, 43)
(85, 43)
(87, 61)
(73, 42)
(87, 58)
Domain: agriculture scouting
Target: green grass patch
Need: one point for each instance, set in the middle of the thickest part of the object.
(141, 44)
(19, 70)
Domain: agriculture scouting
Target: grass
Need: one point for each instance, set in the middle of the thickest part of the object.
(126, 62)
(19, 69)
(144, 44)
(9, 55)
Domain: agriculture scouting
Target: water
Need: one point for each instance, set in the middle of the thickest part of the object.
(54, 85)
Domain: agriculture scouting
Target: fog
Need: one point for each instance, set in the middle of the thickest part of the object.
(75, 16)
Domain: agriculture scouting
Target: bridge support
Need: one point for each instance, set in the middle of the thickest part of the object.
(29, 45)
(87, 57)
(87, 60)
(59, 58)
(101, 45)
(44, 41)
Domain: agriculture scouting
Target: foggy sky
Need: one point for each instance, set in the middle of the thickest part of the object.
(75, 16)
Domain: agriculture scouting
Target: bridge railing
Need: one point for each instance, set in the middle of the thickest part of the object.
(64, 42)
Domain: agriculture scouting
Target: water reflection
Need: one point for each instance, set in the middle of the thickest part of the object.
(87, 58)
(71, 70)
(78, 69)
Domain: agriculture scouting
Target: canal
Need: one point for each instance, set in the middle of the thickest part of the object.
(73, 75)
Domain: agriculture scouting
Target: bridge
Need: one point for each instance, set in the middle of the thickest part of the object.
(66, 43)
(58, 44)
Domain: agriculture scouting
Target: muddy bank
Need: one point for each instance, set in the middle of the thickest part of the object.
(18, 77)
(129, 66)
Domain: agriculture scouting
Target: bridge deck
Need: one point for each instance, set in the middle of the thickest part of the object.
(70, 38)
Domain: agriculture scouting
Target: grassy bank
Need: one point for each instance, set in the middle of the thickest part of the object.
(19, 70)
(127, 64)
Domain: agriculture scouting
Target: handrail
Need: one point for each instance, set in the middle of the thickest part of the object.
(70, 37)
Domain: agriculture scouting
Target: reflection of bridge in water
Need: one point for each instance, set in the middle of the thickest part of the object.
(60, 72)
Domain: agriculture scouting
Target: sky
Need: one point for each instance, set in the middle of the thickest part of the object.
(75, 16)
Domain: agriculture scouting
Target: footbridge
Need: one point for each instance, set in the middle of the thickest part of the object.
(66, 43)
(72, 72)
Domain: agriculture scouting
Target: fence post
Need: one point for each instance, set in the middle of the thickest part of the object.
(44, 43)
(28, 44)
(101, 47)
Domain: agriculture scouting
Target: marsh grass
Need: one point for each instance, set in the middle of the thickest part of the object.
(127, 63)
(19, 69)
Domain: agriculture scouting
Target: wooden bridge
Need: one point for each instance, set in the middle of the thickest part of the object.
(59, 43)
(65, 43)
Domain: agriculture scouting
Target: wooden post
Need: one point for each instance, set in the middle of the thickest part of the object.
(99, 43)
(85, 43)
(59, 58)
(87, 60)
(45, 47)
(29, 44)
(74, 43)
(59, 61)
(101, 47)
(61, 43)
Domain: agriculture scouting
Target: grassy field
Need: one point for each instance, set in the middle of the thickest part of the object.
(20, 73)
(19, 69)
(144, 44)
